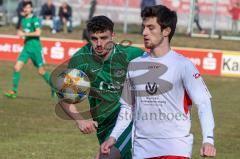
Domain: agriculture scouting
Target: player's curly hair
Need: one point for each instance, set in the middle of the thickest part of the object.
(25, 3)
(100, 24)
(165, 17)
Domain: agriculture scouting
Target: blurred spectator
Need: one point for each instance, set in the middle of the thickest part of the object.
(92, 10)
(3, 18)
(65, 15)
(146, 3)
(47, 15)
(196, 17)
(20, 13)
(235, 13)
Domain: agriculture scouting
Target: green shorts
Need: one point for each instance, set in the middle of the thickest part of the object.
(123, 144)
(35, 55)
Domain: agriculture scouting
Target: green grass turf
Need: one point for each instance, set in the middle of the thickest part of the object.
(179, 40)
(30, 128)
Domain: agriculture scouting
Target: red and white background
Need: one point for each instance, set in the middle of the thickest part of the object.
(56, 51)
(182, 7)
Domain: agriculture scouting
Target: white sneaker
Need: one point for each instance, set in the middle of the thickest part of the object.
(53, 31)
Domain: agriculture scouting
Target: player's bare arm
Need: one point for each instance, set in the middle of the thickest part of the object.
(36, 33)
(85, 126)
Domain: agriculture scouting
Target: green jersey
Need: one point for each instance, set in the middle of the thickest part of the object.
(107, 78)
(30, 24)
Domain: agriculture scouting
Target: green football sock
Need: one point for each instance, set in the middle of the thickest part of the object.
(46, 77)
(15, 79)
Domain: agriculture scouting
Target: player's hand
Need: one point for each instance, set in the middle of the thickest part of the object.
(20, 33)
(107, 145)
(87, 126)
(208, 150)
(98, 155)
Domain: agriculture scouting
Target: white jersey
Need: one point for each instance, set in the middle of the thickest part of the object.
(158, 93)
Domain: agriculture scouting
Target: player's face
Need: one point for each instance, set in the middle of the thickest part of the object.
(27, 9)
(102, 42)
(49, 2)
(152, 34)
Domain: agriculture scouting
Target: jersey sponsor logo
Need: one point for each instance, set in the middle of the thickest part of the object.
(95, 69)
(154, 67)
(151, 88)
(119, 72)
(36, 23)
(197, 75)
(109, 86)
(27, 30)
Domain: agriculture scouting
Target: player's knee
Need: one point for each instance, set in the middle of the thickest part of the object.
(41, 71)
(16, 68)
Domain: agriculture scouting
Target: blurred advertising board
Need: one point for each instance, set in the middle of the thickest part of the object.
(231, 64)
(56, 51)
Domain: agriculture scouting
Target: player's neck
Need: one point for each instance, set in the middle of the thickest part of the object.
(160, 50)
(29, 15)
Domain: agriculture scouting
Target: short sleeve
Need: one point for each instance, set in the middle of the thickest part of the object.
(135, 52)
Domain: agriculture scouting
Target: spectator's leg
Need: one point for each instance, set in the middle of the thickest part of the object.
(41, 21)
(64, 25)
(55, 25)
(198, 26)
(69, 25)
(238, 26)
(234, 26)
(19, 22)
(58, 24)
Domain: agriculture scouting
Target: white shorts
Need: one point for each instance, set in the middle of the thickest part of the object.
(147, 148)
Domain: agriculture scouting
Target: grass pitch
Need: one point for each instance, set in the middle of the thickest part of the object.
(30, 128)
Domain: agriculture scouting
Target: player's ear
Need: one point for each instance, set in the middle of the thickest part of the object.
(166, 31)
(113, 34)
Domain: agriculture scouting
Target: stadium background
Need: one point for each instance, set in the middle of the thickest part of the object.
(29, 126)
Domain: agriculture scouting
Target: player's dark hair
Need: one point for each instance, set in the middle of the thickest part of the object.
(100, 24)
(25, 3)
(165, 17)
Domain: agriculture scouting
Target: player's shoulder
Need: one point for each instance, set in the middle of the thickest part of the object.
(132, 52)
(180, 59)
(35, 18)
(143, 57)
(131, 48)
(82, 56)
(86, 49)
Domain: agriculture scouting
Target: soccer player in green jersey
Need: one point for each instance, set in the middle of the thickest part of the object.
(105, 63)
(30, 30)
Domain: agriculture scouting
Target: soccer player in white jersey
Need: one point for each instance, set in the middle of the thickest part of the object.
(158, 93)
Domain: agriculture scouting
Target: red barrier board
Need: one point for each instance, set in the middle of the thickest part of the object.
(57, 51)
(207, 61)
